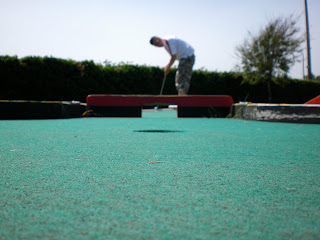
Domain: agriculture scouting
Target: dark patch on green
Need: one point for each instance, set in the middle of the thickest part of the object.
(157, 131)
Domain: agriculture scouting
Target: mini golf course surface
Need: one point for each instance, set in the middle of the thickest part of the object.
(159, 177)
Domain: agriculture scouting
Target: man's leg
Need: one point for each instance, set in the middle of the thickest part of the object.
(182, 92)
(183, 75)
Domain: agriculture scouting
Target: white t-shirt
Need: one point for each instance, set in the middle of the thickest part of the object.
(178, 47)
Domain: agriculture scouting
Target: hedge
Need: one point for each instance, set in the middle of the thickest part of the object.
(49, 78)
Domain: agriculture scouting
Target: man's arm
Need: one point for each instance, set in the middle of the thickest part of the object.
(167, 69)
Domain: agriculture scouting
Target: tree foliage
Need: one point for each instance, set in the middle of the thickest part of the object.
(271, 52)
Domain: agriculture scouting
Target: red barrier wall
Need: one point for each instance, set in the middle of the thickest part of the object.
(140, 100)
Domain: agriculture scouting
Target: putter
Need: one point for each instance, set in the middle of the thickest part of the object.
(164, 80)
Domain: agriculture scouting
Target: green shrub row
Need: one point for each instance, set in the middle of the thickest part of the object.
(48, 78)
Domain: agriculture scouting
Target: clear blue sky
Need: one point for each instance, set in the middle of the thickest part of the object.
(119, 30)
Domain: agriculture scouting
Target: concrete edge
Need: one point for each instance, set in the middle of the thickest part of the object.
(293, 113)
(29, 109)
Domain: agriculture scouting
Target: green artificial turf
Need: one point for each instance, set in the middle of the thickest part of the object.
(159, 177)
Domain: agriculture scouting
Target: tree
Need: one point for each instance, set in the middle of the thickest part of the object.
(270, 53)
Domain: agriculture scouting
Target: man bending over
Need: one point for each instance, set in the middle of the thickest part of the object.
(184, 53)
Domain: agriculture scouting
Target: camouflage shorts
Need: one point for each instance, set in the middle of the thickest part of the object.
(184, 72)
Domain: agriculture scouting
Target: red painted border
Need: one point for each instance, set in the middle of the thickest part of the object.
(315, 100)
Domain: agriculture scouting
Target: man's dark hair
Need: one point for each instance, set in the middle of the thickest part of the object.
(152, 39)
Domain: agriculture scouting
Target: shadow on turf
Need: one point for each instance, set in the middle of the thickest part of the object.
(157, 131)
